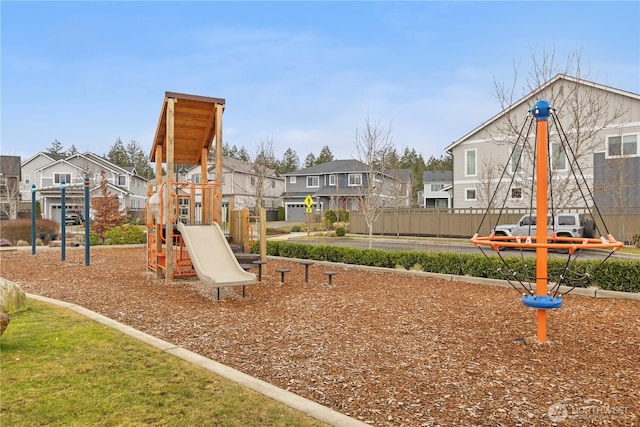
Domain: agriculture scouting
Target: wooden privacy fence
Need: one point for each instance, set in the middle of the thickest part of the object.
(463, 223)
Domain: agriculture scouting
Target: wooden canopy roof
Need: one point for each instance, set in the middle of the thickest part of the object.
(194, 127)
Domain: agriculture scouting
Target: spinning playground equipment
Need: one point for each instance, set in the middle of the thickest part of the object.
(544, 297)
(182, 218)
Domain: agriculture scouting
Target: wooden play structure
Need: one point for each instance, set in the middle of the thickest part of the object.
(183, 218)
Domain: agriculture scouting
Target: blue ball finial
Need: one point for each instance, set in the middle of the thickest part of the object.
(541, 110)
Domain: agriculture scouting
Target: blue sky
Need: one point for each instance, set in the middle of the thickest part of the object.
(304, 74)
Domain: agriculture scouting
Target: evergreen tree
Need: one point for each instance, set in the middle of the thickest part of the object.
(139, 160)
(443, 163)
(325, 155)
(118, 154)
(310, 160)
(243, 155)
(56, 148)
(71, 151)
(289, 163)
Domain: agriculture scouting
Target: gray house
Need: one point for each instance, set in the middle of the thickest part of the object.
(610, 132)
(241, 184)
(437, 189)
(339, 184)
(45, 170)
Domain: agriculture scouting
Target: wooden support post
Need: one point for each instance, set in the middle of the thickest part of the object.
(219, 147)
(263, 234)
(168, 199)
(159, 221)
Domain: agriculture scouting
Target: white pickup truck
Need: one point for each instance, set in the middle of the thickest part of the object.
(564, 225)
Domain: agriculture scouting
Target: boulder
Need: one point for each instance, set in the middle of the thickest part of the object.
(12, 297)
(4, 322)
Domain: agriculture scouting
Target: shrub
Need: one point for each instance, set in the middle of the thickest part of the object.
(635, 240)
(125, 235)
(341, 232)
(296, 229)
(343, 215)
(617, 275)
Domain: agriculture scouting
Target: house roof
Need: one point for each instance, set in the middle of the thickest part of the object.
(329, 191)
(400, 174)
(533, 94)
(53, 157)
(195, 125)
(10, 165)
(437, 176)
(334, 166)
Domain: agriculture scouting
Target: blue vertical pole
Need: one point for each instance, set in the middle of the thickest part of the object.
(63, 222)
(33, 219)
(87, 234)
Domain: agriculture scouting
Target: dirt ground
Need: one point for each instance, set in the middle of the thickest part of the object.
(387, 348)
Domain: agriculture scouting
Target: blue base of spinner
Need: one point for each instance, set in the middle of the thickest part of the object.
(542, 302)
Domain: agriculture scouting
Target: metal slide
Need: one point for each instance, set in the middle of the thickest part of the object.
(212, 257)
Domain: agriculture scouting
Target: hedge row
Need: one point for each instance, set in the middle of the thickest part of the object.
(615, 275)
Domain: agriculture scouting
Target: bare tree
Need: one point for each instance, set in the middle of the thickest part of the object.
(263, 165)
(9, 195)
(583, 110)
(488, 177)
(373, 146)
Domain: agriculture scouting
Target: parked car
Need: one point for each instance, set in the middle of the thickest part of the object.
(563, 225)
(73, 218)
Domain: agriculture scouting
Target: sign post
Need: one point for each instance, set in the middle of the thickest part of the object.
(308, 201)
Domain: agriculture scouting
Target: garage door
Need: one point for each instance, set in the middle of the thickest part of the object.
(295, 212)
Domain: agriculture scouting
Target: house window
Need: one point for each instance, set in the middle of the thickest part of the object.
(253, 181)
(332, 180)
(558, 157)
(470, 194)
(273, 184)
(625, 145)
(196, 177)
(470, 168)
(292, 180)
(516, 193)
(313, 181)
(26, 179)
(122, 180)
(437, 186)
(517, 159)
(59, 178)
(355, 179)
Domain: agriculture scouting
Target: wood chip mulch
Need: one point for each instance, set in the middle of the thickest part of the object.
(386, 348)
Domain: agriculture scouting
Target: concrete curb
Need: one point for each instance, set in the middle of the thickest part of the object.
(292, 400)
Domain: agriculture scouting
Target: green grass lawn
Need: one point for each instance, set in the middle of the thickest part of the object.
(60, 369)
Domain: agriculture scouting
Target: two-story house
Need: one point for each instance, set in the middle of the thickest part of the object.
(339, 184)
(437, 189)
(601, 123)
(47, 172)
(242, 184)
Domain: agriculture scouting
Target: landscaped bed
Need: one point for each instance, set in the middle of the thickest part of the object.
(385, 348)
